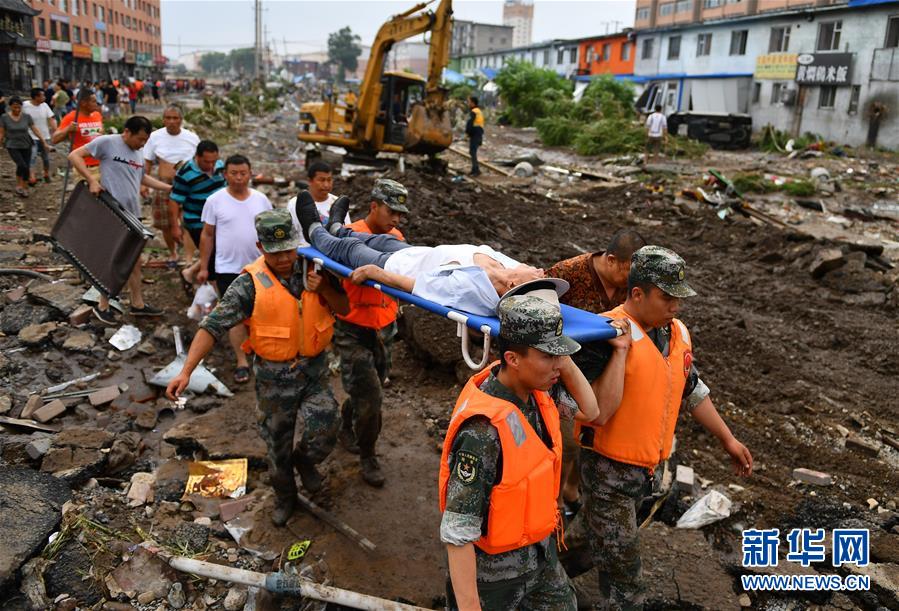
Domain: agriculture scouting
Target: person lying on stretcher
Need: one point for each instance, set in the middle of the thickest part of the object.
(460, 276)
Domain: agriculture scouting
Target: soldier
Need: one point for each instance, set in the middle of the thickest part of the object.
(503, 451)
(289, 328)
(364, 336)
(640, 379)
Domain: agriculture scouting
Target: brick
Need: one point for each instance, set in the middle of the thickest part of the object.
(50, 411)
(31, 406)
(104, 395)
(230, 509)
(38, 447)
(861, 445)
(685, 479)
(80, 316)
(810, 476)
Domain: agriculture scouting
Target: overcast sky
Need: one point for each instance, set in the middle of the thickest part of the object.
(221, 25)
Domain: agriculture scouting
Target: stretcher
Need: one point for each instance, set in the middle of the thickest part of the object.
(580, 325)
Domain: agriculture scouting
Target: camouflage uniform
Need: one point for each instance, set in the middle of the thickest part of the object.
(529, 577)
(614, 490)
(284, 390)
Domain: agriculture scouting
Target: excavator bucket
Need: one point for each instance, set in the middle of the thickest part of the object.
(429, 130)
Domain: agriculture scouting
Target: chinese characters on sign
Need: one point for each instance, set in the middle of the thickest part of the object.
(824, 69)
(776, 66)
(806, 546)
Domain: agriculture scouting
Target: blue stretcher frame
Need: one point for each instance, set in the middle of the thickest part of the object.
(580, 325)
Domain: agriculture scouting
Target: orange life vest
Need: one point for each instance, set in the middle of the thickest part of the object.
(281, 327)
(641, 431)
(369, 307)
(523, 506)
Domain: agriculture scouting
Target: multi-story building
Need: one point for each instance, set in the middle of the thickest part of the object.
(558, 55)
(658, 13)
(470, 37)
(831, 69)
(16, 45)
(93, 39)
(520, 15)
(409, 55)
(609, 54)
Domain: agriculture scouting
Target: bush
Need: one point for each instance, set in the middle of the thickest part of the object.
(557, 131)
(610, 136)
(530, 93)
(799, 188)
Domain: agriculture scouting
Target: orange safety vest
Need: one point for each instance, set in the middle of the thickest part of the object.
(281, 328)
(523, 506)
(369, 307)
(641, 431)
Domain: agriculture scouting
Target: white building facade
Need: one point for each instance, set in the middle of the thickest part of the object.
(558, 55)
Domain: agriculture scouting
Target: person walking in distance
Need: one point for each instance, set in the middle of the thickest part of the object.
(16, 129)
(474, 128)
(656, 133)
(45, 122)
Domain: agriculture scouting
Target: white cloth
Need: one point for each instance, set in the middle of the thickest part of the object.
(656, 123)
(39, 114)
(466, 288)
(174, 149)
(235, 228)
(324, 210)
(423, 259)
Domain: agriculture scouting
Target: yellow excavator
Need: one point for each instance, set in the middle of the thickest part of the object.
(397, 112)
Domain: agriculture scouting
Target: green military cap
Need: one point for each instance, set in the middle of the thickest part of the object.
(391, 193)
(532, 321)
(663, 268)
(276, 232)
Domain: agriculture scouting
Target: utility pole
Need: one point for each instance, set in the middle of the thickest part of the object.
(259, 42)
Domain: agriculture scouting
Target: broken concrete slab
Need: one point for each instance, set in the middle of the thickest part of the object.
(38, 447)
(104, 395)
(84, 437)
(34, 335)
(59, 460)
(861, 445)
(60, 296)
(17, 316)
(26, 523)
(228, 432)
(826, 260)
(810, 476)
(79, 341)
(49, 411)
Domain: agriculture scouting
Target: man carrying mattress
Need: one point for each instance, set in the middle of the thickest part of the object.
(464, 277)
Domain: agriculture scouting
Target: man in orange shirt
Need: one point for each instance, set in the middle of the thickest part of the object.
(87, 127)
(363, 338)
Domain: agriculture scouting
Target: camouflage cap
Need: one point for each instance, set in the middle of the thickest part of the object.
(663, 268)
(276, 232)
(391, 193)
(531, 321)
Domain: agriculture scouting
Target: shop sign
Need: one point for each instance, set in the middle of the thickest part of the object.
(776, 66)
(824, 69)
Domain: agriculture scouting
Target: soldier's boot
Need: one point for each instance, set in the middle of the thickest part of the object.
(285, 498)
(309, 475)
(371, 471)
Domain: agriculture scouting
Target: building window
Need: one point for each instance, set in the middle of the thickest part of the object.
(738, 42)
(502, 40)
(53, 34)
(827, 97)
(756, 92)
(625, 51)
(642, 14)
(75, 8)
(780, 40)
(666, 9)
(96, 38)
(776, 93)
(673, 47)
(560, 56)
(829, 36)
(683, 6)
(854, 95)
(703, 45)
(64, 32)
(606, 52)
(712, 3)
(572, 55)
(41, 27)
(64, 6)
(647, 48)
(103, 38)
(892, 33)
(545, 57)
(76, 34)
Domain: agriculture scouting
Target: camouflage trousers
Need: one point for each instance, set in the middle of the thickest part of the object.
(547, 588)
(364, 364)
(285, 391)
(612, 492)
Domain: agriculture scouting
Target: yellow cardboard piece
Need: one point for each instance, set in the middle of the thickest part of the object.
(217, 478)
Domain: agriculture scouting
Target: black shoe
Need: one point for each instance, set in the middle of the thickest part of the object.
(106, 317)
(347, 439)
(309, 475)
(337, 215)
(371, 472)
(307, 213)
(147, 310)
(284, 507)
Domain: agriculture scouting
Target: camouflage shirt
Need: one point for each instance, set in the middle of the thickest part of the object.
(477, 448)
(236, 305)
(594, 356)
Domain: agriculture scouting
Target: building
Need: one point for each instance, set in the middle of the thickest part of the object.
(95, 39)
(17, 45)
(558, 55)
(470, 37)
(609, 54)
(658, 13)
(520, 15)
(409, 56)
(832, 69)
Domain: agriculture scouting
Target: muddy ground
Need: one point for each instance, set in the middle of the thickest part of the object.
(797, 365)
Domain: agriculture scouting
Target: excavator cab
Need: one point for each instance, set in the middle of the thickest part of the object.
(399, 91)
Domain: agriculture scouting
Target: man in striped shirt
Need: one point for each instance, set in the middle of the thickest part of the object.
(193, 184)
